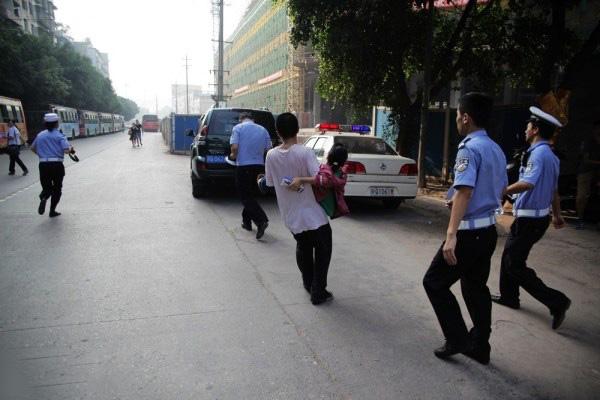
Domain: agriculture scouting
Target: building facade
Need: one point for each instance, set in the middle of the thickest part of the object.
(197, 102)
(265, 71)
(98, 59)
(35, 17)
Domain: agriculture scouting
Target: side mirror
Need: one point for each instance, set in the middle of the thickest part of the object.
(191, 133)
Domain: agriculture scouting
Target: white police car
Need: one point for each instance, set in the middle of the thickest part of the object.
(375, 170)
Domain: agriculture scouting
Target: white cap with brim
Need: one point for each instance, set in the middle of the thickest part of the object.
(539, 115)
(50, 117)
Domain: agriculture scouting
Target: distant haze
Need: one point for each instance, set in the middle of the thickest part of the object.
(147, 40)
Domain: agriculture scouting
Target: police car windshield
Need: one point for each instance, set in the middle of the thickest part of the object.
(363, 145)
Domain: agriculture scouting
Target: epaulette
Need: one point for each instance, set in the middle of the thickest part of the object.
(463, 143)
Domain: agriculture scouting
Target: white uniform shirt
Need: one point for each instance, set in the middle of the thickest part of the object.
(299, 210)
(14, 137)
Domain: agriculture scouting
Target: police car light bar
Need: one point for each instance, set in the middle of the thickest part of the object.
(325, 126)
(361, 128)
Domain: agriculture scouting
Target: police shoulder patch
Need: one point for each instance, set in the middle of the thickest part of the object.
(461, 164)
(529, 167)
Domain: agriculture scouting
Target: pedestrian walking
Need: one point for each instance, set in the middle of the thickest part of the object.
(588, 172)
(51, 146)
(537, 191)
(138, 131)
(300, 212)
(249, 143)
(14, 142)
(479, 182)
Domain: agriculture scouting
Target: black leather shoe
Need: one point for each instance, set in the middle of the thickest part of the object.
(479, 353)
(42, 207)
(321, 298)
(247, 226)
(260, 231)
(559, 315)
(53, 214)
(449, 349)
(496, 298)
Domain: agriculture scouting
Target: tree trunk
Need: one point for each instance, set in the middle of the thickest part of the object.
(543, 83)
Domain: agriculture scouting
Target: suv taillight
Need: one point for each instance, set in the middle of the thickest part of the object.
(353, 167)
(204, 131)
(409, 170)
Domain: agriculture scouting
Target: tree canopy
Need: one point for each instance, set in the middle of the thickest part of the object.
(372, 52)
(40, 72)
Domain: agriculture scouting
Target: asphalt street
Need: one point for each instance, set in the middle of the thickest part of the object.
(140, 291)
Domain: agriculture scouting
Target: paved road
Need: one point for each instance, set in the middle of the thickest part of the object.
(139, 291)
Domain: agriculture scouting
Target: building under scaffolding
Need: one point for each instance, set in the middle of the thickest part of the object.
(264, 69)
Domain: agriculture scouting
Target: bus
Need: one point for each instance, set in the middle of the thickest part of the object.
(68, 120)
(106, 123)
(12, 109)
(89, 123)
(150, 123)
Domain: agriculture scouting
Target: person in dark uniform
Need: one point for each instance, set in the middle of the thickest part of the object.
(537, 190)
(14, 142)
(479, 182)
(51, 146)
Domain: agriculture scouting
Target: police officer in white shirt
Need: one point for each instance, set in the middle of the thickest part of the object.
(51, 146)
(537, 195)
(14, 148)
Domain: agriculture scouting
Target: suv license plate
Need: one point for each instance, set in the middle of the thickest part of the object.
(382, 191)
(215, 159)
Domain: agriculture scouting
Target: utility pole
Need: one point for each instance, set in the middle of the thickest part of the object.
(187, 91)
(426, 89)
(176, 98)
(220, 98)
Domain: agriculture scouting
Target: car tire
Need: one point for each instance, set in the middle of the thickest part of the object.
(199, 189)
(392, 204)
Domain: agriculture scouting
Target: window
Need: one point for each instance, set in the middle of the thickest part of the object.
(310, 142)
(365, 145)
(318, 149)
(3, 112)
(18, 113)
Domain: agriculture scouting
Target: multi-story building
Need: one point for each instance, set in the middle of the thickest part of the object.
(35, 17)
(99, 60)
(264, 69)
(197, 102)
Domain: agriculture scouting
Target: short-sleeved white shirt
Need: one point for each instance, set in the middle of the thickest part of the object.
(299, 210)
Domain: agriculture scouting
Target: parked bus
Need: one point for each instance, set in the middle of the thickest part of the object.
(89, 123)
(106, 123)
(119, 122)
(68, 120)
(150, 123)
(11, 109)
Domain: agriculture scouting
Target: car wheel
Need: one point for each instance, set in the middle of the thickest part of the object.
(392, 204)
(199, 189)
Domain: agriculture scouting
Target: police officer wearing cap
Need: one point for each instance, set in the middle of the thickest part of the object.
(479, 181)
(537, 195)
(51, 146)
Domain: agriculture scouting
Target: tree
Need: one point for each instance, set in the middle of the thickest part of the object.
(40, 72)
(129, 108)
(371, 52)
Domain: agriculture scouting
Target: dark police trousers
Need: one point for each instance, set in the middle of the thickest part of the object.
(313, 254)
(13, 153)
(51, 178)
(474, 249)
(245, 180)
(524, 233)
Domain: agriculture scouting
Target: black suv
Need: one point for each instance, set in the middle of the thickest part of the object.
(211, 146)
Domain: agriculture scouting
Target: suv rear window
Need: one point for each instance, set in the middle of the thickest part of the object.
(362, 145)
(222, 122)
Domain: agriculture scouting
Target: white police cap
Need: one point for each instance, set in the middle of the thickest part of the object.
(539, 115)
(50, 117)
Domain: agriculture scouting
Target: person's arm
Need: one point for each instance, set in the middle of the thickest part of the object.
(465, 179)
(234, 151)
(557, 219)
(268, 172)
(312, 165)
(518, 187)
